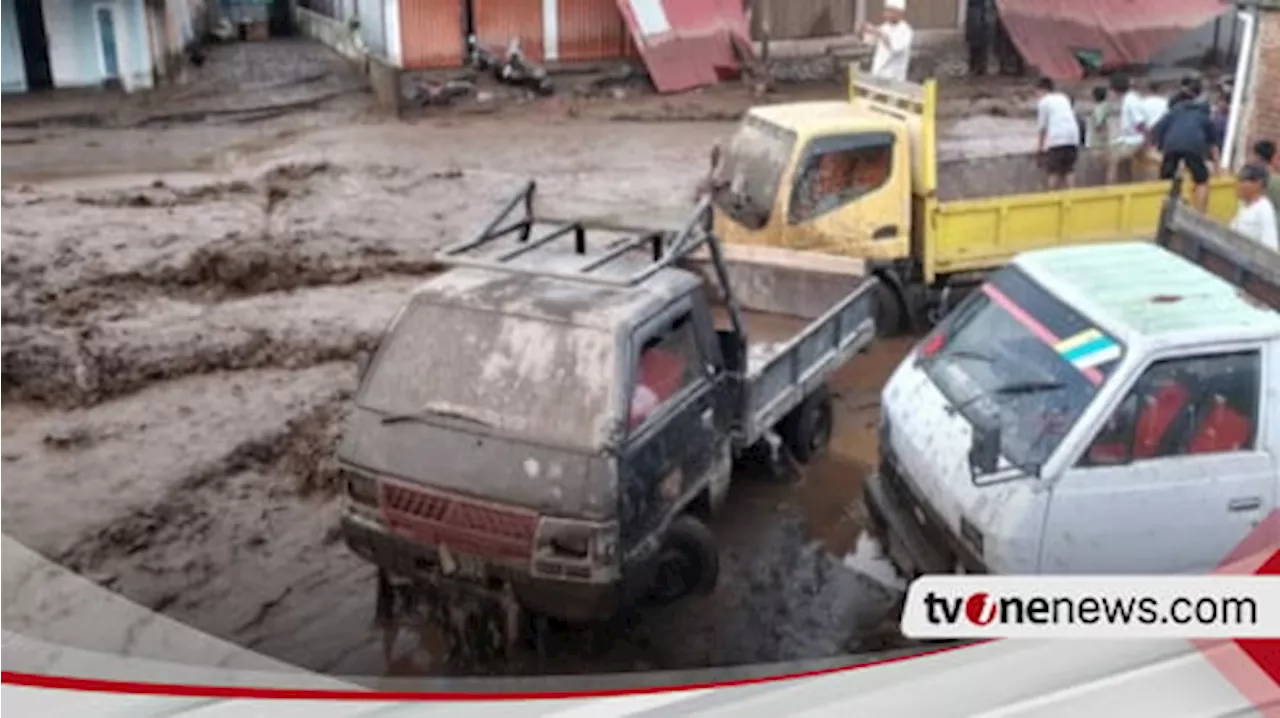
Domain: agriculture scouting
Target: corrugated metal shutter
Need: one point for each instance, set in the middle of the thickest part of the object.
(373, 25)
(796, 19)
(591, 30)
(497, 21)
(431, 33)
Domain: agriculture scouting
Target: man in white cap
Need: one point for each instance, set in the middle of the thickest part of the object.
(892, 40)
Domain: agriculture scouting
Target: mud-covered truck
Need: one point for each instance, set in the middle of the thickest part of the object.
(862, 179)
(1094, 409)
(547, 425)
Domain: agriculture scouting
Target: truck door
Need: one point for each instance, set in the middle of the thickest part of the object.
(673, 440)
(1174, 480)
(851, 195)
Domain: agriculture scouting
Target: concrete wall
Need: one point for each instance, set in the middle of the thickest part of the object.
(76, 53)
(14, 67)
(334, 33)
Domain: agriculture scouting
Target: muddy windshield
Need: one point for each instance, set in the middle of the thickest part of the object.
(748, 178)
(540, 380)
(1011, 353)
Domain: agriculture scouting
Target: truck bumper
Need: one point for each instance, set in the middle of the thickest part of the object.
(575, 602)
(913, 536)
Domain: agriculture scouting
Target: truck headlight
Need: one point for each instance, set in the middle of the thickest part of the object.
(576, 541)
(360, 488)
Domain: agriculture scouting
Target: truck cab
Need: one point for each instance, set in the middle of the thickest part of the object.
(1104, 409)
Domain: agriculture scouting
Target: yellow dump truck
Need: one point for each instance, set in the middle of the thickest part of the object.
(859, 183)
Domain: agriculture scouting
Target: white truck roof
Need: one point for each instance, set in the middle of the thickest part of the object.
(1138, 290)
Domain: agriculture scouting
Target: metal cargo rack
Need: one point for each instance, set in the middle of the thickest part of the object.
(665, 248)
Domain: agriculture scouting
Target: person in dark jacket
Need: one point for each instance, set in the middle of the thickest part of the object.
(978, 34)
(1185, 136)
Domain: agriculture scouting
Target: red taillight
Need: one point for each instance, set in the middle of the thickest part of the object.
(933, 345)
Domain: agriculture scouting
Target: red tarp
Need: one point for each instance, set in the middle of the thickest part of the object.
(687, 43)
(1049, 33)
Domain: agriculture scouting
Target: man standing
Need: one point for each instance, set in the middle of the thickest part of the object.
(1059, 127)
(1185, 137)
(977, 35)
(1256, 218)
(892, 40)
(1264, 153)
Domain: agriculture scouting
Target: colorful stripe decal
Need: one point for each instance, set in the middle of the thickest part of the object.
(1090, 348)
(1079, 341)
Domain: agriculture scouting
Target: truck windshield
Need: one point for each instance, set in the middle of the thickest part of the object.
(1013, 353)
(540, 380)
(748, 178)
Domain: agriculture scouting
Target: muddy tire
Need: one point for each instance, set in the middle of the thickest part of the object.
(689, 562)
(890, 312)
(807, 429)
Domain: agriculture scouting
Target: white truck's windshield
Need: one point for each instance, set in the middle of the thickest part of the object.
(748, 178)
(1011, 353)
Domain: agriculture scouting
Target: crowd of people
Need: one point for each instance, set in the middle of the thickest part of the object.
(1146, 134)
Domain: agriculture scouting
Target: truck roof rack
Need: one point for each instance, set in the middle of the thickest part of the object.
(1246, 264)
(665, 247)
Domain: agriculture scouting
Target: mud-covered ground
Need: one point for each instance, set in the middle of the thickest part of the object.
(180, 338)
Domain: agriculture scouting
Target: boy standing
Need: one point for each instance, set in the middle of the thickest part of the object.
(1256, 218)
(1127, 147)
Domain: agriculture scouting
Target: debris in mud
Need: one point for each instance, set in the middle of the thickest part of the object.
(869, 559)
(71, 437)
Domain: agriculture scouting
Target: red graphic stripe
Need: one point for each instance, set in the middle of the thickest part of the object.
(101, 685)
(1030, 322)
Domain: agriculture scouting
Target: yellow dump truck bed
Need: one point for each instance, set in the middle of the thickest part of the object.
(974, 215)
(967, 235)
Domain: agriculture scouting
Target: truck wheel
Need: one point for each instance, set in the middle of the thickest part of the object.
(889, 311)
(807, 429)
(689, 562)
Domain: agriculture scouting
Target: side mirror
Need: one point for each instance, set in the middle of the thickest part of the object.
(984, 452)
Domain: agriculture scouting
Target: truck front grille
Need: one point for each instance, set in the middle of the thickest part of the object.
(464, 525)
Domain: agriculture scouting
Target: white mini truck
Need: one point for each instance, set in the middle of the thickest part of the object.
(1092, 409)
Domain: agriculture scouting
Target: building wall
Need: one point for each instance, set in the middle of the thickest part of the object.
(74, 50)
(14, 67)
(1264, 117)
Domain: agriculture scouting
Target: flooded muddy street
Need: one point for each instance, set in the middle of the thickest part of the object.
(179, 349)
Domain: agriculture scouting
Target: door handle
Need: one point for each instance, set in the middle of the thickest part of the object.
(888, 231)
(1244, 504)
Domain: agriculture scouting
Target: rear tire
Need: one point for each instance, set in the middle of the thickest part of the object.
(807, 430)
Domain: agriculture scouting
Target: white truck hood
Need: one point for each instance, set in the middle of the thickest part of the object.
(930, 447)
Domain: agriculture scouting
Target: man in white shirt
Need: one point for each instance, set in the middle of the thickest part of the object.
(1130, 142)
(1256, 218)
(1059, 146)
(892, 41)
(1154, 104)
